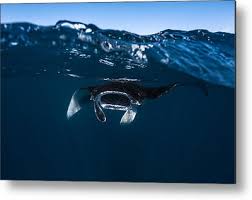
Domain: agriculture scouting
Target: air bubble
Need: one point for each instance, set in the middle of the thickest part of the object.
(106, 46)
(88, 30)
(14, 43)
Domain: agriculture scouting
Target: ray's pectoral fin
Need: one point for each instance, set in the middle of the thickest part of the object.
(129, 116)
(99, 112)
(79, 98)
(153, 93)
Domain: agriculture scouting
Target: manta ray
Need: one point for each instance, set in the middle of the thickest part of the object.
(119, 95)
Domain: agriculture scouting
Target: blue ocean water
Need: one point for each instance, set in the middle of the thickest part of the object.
(184, 136)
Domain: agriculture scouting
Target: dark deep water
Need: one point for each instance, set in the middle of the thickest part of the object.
(183, 136)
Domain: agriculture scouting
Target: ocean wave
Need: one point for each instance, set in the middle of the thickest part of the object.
(84, 50)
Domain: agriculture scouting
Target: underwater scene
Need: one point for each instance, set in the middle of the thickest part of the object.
(85, 103)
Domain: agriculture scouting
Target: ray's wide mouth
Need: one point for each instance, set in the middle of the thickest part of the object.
(115, 99)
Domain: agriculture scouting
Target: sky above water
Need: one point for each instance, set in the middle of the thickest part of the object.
(142, 17)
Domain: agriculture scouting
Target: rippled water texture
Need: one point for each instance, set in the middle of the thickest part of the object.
(84, 51)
